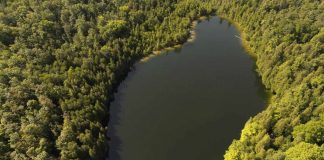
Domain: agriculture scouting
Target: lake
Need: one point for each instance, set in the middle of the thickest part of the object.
(188, 104)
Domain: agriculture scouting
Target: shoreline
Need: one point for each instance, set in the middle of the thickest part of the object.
(249, 51)
(264, 97)
(243, 35)
(190, 39)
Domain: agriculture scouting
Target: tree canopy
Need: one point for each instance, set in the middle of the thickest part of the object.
(61, 60)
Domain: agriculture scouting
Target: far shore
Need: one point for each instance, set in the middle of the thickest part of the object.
(190, 39)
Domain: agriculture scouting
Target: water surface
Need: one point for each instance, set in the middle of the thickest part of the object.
(188, 104)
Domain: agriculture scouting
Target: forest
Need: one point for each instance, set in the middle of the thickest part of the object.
(287, 39)
(61, 61)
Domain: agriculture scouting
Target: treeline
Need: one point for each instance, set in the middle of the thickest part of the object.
(287, 38)
(60, 61)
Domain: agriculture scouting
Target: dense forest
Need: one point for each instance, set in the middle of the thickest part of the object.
(287, 38)
(61, 61)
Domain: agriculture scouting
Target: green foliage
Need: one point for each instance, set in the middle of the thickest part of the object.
(60, 61)
(304, 151)
(114, 29)
(311, 132)
(287, 39)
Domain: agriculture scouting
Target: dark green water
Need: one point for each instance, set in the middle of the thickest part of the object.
(188, 104)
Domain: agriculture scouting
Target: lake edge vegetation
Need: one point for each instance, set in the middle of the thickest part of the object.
(287, 39)
(61, 61)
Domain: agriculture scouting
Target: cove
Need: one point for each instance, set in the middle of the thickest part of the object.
(188, 104)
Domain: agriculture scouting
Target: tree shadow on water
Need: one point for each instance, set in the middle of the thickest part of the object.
(115, 112)
(114, 121)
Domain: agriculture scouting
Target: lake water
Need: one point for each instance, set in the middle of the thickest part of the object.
(188, 104)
